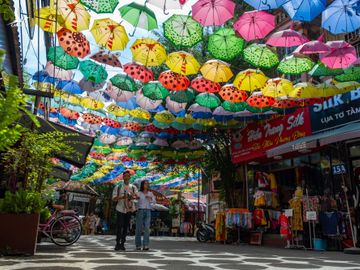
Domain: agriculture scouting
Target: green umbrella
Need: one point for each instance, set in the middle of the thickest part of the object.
(261, 56)
(257, 110)
(101, 6)
(208, 100)
(139, 16)
(105, 150)
(124, 82)
(295, 65)
(184, 96)
(93, 72)
(225, 45)
(62, 59)
(234, 106)
(321, 70)
(183, 31)
(350, 74)
(155, 91)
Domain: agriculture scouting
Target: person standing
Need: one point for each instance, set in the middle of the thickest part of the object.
(124, 196)
(146, 200)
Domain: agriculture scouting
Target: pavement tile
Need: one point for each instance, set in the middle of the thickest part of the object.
(123, 266)
(105, 261)
(295, 265)
(241, 266)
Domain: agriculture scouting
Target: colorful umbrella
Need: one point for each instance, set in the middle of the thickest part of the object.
(101, 6)
(341, 16)
(167, 4)
(139, 16)
(342, 55)
(183, 31)
(230, 93)
(145, 102)
(48, 20)
(139, 72)
(350, 74)
(93, 72)
(234, 106)
(304, 10)
(201, 84)
(91, 118)
(261, 56)
(208, 100)
(250, 80)
(89, 86)
(313, 47)
(71, 87)
(74, 44)
(259, 101)
(254, 25)
(100, 95)
(133, 126)
(61, 59)
(277, 87)
(124, 82)
(174, 81)
(303, 90)
(213, 12)
(183, 63)
(91, 103)
(148, 52)
(106, 58)
(57, 72)
(155, 91)
(116, 110)
(216, 71)
(320, 70)
(151, 128)
(175, 107)
(221, 115)
(286, 38)
(107, 138)
(225, 45)
(266, 5)
(164, 117)
(109, 34)
(118, 94)
(182, 96)
(286, 103)
(76, 17)
(295, 65)
(140, 114)
(346, 86)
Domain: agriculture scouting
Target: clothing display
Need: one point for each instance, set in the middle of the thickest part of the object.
(273, 183)
(239, 217)
(296, 220)
(220, 228)
(330, 222)
(284, 226)
(311, 203)
(262, 180)
(260, 199)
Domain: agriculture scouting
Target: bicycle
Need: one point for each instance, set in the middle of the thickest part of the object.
(63, 227)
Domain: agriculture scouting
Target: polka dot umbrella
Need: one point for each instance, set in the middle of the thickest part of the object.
(76, 17)
(62, 59)
(173, 81)
(73, 43)
(93, 72)
(183, 96)
(208, 100)
(101, 6)
(200, 84)
(106, 58)
(295, 65)
(286, 103)
(138, 72)
(350, 74)
(260, 56)
(257, 100)
(91, 118)
(231, 93)
(132, 126)
(111, 123)
(155, 91)
(234, 106)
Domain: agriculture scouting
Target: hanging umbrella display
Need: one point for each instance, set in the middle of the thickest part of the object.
(286, 103)
(132, 126)
(117, 94)
(74, 44)
(182, 96)
(124, 82)
(116, 110)
(93, 72)
(101, 6)
(89, 86)
(100, 95)
(43, 77)
(173, 81)
(222, 115)
(129, 105)
(350, 74)
(91, 103)
(48, 20)
(313, 47)
(277, 87)
(164, 117)
(342, 55)
(155, 91)
(77, 18)
(259, 101)
(152, 129)
(91, 118)
(111, 123)
(183, 63)
(57, 72)
(295, 65)
(231, 93)
(320, 70)
(266, 5)
(254, 25)
(106, 58)
(69, 113)
(216, 71)
(109, 34)
(139, 72)
(303, 90)
(304, 10)
(225, 45)
(148, 52)
(250, 80)
(286, 38)
(344, 87)
(201, 84)
(140, 115)
(261, 56)
(341, 16)
(174, 106)
(139, 16)
(213, 12)
(183, 31)
(107, 138)
(147, 103)
(208, 100)
(234, 106)
(61, 59)
(167, 4)
(71, 87)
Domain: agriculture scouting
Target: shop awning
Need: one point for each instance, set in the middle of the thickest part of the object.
(347, 132)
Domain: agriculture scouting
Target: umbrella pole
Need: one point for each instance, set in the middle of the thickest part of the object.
(198, 210)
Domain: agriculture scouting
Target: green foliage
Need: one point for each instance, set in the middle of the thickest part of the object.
(45, 214)
(22, 201)
(6, 10)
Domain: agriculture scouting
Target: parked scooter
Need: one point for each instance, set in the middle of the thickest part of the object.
(205, 232)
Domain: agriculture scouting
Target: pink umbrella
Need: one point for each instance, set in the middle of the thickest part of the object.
(313, 47)
(341, 55)
(255, 24)
(175, 107)
(117, 94)
(57, 72)
(107, 138)
(213, 12)
(286, 38)
(146, 103)
(122, 141)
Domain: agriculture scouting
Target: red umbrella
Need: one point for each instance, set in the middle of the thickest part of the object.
(174, 81)
(133, 126)
(286, 103)
(74, 43)
(286, 38)
(231, 93)
(91, 118)
(201, 84)
(97, 155)
(341, 55)
(111, 123)
(259, 101)
(151, 128)
(69, 113)
(171, 131)
(139, 72)
(107, 59)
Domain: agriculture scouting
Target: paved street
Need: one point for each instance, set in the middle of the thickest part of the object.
(175, 253)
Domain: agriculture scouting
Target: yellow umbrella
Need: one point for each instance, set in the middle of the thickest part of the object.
(182, 63)
(216, 71)
(148, 52)
(141, 114)
(75, 15)
(117, 110)
(187, 120)
(347, 86)
(250, 80)
(327, 89)
(47, 20)
(109, 34)
(277, 87)
(45, 87)
(91, 103)
(165, 117)
(304, 90)
(206, 122)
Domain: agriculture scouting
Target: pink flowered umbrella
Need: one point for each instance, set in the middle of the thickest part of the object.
(122, 141)
(213, 12)
(341, 55)
(146, 103)
(117, 94)
(313, 47)
(57, 72)
(161, 142)
(107, 138)
(286, 38)
(175, 107)
(255, 25)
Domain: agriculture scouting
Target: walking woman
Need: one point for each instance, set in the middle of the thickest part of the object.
(146, 200)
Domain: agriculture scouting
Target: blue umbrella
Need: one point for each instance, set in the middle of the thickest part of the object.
(304, 10)
(43, 77)
(130, 104)
(342, 16)
(127, 133)
(71, 87)
(67, 121)
(110, 130)
(159, 108)
(265, 4)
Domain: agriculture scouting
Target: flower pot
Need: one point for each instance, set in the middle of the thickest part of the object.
(18, 233)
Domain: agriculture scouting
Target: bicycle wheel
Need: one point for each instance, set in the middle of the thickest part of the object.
(65, 230)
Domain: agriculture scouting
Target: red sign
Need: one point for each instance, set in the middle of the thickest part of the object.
(251, 142)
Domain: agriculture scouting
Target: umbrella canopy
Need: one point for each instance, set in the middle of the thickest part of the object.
(313, 47)
(116, 110)
(109, 34)
(166, 4)
(266, 5)
(342, 55)
(350, 74)
(164, 117)
(91, 118)
(148, 52)
(201, 84)
(261, 56)
(93, 72)
(231, 93)
(183, 31)
(76, 17)
(174, 106)
(89, 86)
(124, 82)
(303, 90)
(321, 70)
(183, 63)
(342, 16)
(73, 43)
(182, 96)
(57, 72)
(147, 103)
(254, 25)
(286, 103)
(48, 20)
(250, 80)
(118, 94)
(286, 38)
(91, 103)
(208, 100)
(71, 87)
(234, 106)
(295, 65)
(304, 10)
(174, 81)
(213, 12)
(101, 6)
(259, 101)
(61, 59)
(216, 71)
(106, 58)
(139, 72)
(277, 88)
(155, 91)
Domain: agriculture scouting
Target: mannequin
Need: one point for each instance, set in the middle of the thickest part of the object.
(295, 204)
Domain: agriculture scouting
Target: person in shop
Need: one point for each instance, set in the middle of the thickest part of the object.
(146, 200)
(125, 196)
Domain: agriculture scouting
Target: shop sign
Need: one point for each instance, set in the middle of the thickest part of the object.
(78, 198)
(336, 111)
(288, 212)
(311, 215)
(339, 169)
(252, 141)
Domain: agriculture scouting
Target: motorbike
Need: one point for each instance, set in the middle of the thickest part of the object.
(205, 232)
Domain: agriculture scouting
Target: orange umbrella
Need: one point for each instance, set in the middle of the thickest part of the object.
(73, 43)
(231, 93)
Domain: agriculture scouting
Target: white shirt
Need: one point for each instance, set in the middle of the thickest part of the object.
(146, 201)
(122, 206)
